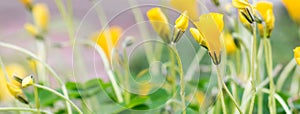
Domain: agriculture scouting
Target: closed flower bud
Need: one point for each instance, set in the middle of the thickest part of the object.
(182, 21)
(27, 4)
(159, 23)
(265, 10)
(297, 55)
(198, 37)
(31, 29)
(41, 16)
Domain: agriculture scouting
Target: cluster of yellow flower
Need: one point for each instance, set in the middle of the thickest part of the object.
(41, 17)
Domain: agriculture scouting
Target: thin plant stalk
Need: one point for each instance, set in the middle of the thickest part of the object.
(253, 63)
(223, 85)
(59, 95)
(221, 91)
(182, 86)
(269, 64)
(107, 68)
(285, 73)
(41, 53)
(22, 109)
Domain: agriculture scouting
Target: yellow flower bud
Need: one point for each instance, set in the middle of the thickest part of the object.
(198, 37)
(41, 16)
(266, 11)
(229, 43)
(27, 3)
(297, 55)
(31, 29)
(292, 7)
(159, 23)
(182, 22)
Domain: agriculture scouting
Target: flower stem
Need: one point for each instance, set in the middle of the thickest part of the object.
(284, 74)
(107, 68)
(221, 91)
(253, 63)
(227, 90)
(22, 109)
(59, 95)
(182, 93)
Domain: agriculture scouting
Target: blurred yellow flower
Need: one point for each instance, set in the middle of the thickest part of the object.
(31, 29)
(229, 43)
(200, 96)
(186, 5)
(198, 37)
(107, 39)
(292, 7)
(182, 22)
(159, 23)
(266, 11)
(41, 15)
(11, 69)
(211, 26)
(297, 55)
(16, 92)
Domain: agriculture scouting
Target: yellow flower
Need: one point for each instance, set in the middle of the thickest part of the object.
(41, 15)
(198, 37)
(107, 39)
(31, 29)
(243, 19)
(11, 69)
(17, 92)
(297, 55)
(292, 7)
(229, 43)
(186, 5)
(159, 23)
(27, 3)
(266, 11)
(211, 26)
(182, 22)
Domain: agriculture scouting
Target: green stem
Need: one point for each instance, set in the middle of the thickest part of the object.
(247, 55)
(107, 68)
(59, 95)
(285, 73)
(182, 84)
(227, 90)
(10, 46)
(36, 99)
(41, 53)
(127, 84)
(22, 109)
(253, 63)
(268, 55)
(221, 91)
